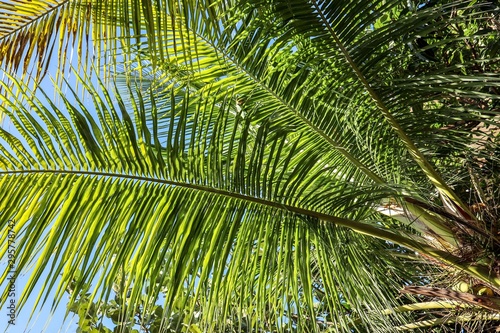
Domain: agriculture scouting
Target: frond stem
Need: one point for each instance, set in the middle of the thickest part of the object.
(480, 272)
(417, 155)
(373, 176)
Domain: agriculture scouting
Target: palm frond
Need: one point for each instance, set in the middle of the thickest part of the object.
(86, 187)
(250, 155)
(33, 33)
(367, 58)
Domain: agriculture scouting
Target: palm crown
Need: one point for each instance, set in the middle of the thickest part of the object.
(251, 158)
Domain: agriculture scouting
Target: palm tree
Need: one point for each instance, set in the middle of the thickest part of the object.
(251, 159)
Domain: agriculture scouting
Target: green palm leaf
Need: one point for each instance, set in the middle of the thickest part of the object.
(100, 186)
(243, 156)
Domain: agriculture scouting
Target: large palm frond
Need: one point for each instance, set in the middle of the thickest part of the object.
(235, 152)
(100, 193)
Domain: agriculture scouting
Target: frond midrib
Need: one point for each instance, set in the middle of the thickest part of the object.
(364, 228)
(335, 145)
(187, 185)
(433, 175)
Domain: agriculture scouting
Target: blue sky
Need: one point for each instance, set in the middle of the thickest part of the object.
(43, 319)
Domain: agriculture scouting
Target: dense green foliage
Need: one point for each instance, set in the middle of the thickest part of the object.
(254, 166)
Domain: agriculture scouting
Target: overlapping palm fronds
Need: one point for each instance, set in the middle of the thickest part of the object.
(253, 158)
